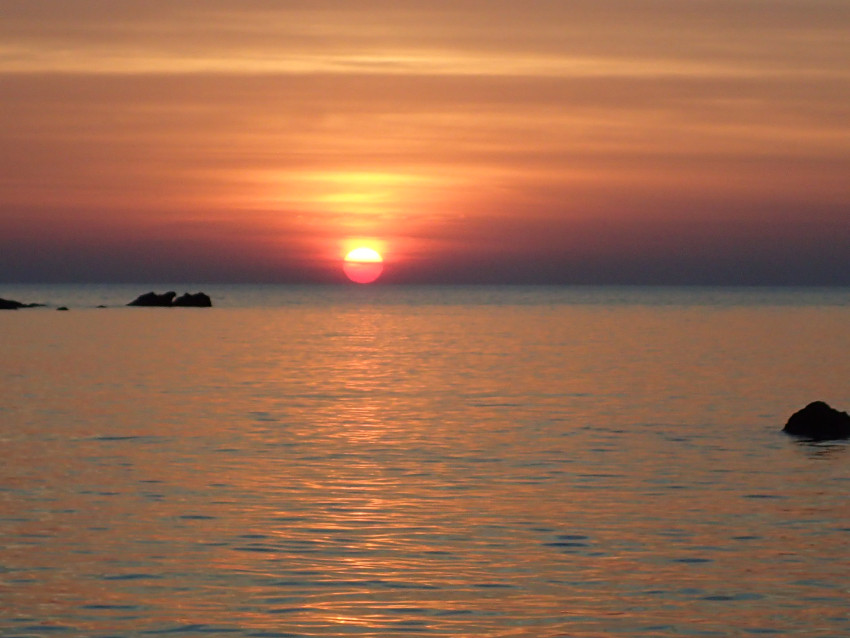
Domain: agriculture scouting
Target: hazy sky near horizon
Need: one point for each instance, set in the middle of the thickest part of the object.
(586, 141)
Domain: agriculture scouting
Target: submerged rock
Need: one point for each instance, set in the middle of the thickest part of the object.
(197, 300)
(153, 299)
(11, 304)
(819, 421)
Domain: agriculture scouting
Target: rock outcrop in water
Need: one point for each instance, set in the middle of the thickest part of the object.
(152, 299)
(167, 300)
(197, 300)
(11, 304)
(819, 421)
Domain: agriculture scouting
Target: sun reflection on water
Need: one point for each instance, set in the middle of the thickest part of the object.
(376, 471)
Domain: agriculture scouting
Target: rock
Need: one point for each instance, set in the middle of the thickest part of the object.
(819, 421)
(10, 304)
(167, 300)
(197, 300)
(152, 299)
(62, 308)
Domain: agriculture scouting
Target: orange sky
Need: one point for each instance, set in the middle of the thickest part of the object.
(590, 141)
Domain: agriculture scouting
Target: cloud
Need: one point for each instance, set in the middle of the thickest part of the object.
(511, 130)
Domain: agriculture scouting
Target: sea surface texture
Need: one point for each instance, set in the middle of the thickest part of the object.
(350, 461)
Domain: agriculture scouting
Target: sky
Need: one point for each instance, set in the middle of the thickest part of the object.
(468, 141)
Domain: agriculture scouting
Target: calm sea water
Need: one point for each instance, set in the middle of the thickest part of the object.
(423, 461)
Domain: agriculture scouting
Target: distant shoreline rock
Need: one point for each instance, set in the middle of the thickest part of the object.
(152, 299)
(819, 421)
(197, 300)
(11, 304)
(168, 300)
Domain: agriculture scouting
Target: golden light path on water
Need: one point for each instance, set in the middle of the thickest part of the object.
(381, 469)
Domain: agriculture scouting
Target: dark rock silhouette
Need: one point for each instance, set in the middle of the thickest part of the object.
(167, 300)
(820, 422)
(62, 308)
(152, 299)
(197, 300)
(11, 304)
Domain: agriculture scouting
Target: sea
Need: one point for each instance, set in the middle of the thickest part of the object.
(423, 461)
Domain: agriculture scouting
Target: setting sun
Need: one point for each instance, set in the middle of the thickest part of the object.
(363, 265)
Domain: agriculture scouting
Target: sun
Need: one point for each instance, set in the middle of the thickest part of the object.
(363, 265)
